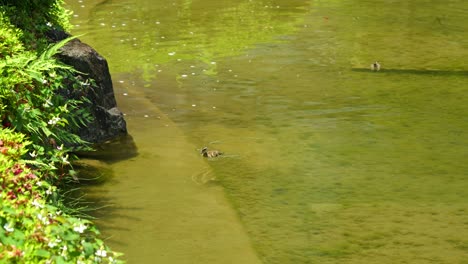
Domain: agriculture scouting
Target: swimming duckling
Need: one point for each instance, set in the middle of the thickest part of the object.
(210, 153)
(375, 66)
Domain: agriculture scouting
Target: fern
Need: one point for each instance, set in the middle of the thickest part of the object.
(54, 49)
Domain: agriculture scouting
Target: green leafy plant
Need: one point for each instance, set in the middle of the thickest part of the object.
(31, 103)
(38, 120)
(31, 229)
(36, 18)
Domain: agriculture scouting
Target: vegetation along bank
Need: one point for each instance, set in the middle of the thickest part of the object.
(38, 136)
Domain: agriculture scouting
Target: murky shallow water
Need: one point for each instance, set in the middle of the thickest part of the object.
(326, 162)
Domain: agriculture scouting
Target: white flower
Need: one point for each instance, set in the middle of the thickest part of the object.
(80, 228)
(37, 204)
(52, 244)
(85, 83)
(49, 24)
(33, 154)
(39, 183)
(43, 219)
(101, 253)
(64, 251)
(65, 160)
(49, 191)
(8, 228)
(54, 121)
(60, 147)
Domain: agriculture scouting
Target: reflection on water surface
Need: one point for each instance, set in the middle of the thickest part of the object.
(326, 161)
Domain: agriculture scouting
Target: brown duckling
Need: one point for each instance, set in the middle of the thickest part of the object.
(375, 66)
(210, 153)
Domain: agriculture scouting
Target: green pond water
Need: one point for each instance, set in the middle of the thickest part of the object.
(325, 161)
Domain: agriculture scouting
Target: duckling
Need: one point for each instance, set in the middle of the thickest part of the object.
(375, 66)
(210, 153)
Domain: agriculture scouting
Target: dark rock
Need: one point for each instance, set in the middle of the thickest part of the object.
(108, 121)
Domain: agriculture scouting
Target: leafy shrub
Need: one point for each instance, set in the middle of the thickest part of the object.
(37, 139)
(35, 18)
(31, 103)
(32, 230)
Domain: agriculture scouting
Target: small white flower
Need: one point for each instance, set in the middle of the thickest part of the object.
(37, 204)
(54, 121)
(60, 147)
(80, 228)
(101, 253)
(33, 154)
(65, 159)
(85, 83)
(49, 24)
(8, 228)
(39, 183)
(64, 251)
(43, 219)
(48, 191)
(52, 244)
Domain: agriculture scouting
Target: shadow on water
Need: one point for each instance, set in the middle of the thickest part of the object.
(415, 71)
(95, 202)
(122, 148)
(94, 170)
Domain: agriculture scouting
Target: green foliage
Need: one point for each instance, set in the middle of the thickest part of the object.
(35, 18)
(37, 139)
(32, 230)
(31, 100)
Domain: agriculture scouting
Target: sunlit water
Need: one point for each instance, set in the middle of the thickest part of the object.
(325, 161)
